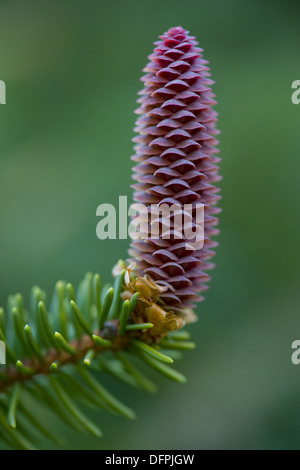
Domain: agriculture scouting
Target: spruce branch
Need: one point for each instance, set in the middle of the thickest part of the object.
(59, 352)
(54, 367)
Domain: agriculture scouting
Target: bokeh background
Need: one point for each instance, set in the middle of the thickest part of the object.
(72, 73)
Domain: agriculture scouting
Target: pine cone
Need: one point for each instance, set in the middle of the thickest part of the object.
(176, 163)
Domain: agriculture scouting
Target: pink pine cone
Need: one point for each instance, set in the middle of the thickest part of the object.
(176, 163)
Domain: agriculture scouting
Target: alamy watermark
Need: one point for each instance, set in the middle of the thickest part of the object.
(296, 94)
(2, 92)
(166, 221)
(2, 353)
(296, 354)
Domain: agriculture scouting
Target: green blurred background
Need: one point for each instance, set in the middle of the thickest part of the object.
(72, 73)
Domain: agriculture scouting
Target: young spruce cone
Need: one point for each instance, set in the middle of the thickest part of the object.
(176, 163)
